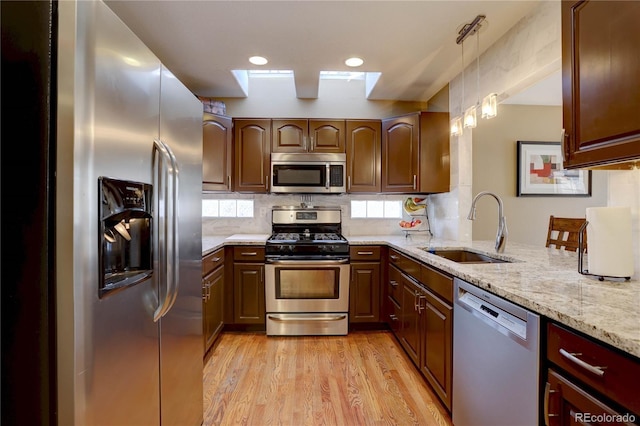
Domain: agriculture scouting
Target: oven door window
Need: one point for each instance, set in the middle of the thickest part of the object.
(293, 283)
(299, 175)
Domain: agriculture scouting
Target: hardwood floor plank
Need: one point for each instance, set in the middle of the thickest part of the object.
(364, 378)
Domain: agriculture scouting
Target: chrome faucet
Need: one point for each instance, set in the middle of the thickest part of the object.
(501, 236)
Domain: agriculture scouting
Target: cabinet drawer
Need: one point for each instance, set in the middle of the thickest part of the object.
(607, 371)
(364, 253)
(394, 285)
(212, 261)
(248, 253)
(405, 264)
(438, 282)
(394, 314)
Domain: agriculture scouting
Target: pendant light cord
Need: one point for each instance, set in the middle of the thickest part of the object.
(478, 64)
(462, 100)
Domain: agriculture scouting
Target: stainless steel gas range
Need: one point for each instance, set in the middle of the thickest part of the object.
(307, 273)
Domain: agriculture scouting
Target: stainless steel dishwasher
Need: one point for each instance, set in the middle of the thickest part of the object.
(495, 360)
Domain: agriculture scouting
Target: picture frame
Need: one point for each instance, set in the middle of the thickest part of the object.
(541, 173)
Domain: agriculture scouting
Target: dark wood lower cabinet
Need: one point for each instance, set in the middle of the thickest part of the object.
(213, 306)
(248, 293)
(364, 292)
(423, 320)
(437, 344)
(566, 403)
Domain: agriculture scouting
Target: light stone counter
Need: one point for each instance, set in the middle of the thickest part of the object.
(213, 242)
(543, 280)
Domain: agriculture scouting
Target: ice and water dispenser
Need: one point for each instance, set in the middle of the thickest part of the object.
(125, 228)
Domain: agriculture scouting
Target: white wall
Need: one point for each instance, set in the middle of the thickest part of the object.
(494, 169)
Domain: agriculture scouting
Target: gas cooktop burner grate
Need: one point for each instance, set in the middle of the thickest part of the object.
(303, 236)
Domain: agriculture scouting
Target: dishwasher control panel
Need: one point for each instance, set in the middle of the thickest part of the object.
(501, 317)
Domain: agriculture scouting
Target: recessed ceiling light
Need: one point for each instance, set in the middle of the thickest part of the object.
(354, 62)
(258, 60)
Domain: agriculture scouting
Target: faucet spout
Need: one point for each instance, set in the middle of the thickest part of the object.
(501, 235)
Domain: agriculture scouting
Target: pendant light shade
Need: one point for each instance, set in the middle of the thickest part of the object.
(456, 126)
(490, 106)
(470, 120)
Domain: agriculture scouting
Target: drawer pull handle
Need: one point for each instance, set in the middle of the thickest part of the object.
(393, 317)
(547, 392)
(252, 253)
(365, 253)
(573, 357)
(216, 259)
(393, 283)
(394, 258)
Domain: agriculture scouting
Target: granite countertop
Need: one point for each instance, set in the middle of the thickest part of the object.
(543, 280)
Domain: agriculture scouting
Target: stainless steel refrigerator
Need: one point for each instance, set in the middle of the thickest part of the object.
(126, 286)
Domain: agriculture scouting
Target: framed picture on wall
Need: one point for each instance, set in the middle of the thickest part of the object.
(540, 172)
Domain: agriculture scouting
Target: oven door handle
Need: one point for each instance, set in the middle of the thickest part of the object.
(308, 262)
(306, 318)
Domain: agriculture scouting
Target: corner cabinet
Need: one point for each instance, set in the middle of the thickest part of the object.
(212, 296)
(252, 140)
(600, 72)
(217, 136)
(415, 153)
(302, 135)
(363, 155)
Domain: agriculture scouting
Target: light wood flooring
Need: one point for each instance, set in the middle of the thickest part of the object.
(364, 378)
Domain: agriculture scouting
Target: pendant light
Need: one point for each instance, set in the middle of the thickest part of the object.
(456, 122)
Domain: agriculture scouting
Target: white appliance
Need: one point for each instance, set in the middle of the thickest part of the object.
(496, 370)
(130, 354)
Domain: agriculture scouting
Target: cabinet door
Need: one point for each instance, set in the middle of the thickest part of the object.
(363, 155)
(600, 71)
(436, 355)
(216, 153)
(213, 306)
(400, 154)
(289, 136)
(364, 292)
(410, 320)
(252, 155)
(248, 294)
(326, 136)
(434, 152)
(566, 403)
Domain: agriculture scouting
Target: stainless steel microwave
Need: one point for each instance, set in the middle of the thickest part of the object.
(308, 173)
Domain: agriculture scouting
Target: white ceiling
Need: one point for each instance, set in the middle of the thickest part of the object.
(412, 43)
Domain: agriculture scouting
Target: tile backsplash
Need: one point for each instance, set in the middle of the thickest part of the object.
(263, 203)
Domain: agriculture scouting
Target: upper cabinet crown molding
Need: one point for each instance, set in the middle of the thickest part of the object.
(600, 92)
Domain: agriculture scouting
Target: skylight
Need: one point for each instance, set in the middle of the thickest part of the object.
(341, 75)
(270, 73)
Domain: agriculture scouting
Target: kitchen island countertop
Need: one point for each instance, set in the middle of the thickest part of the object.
(541, 279)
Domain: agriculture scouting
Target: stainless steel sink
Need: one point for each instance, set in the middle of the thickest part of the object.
(465, 256)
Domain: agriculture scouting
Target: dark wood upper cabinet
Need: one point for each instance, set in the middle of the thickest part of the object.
(302, 135)
(289, 136)
(363, 155)
(217, 136)
(600, 74)
(252, 155)
(400, 153)
(415, 153)
(327, 135)
(434, 152)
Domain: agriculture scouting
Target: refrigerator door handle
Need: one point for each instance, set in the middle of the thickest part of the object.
(174, 266)
(165, 241)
